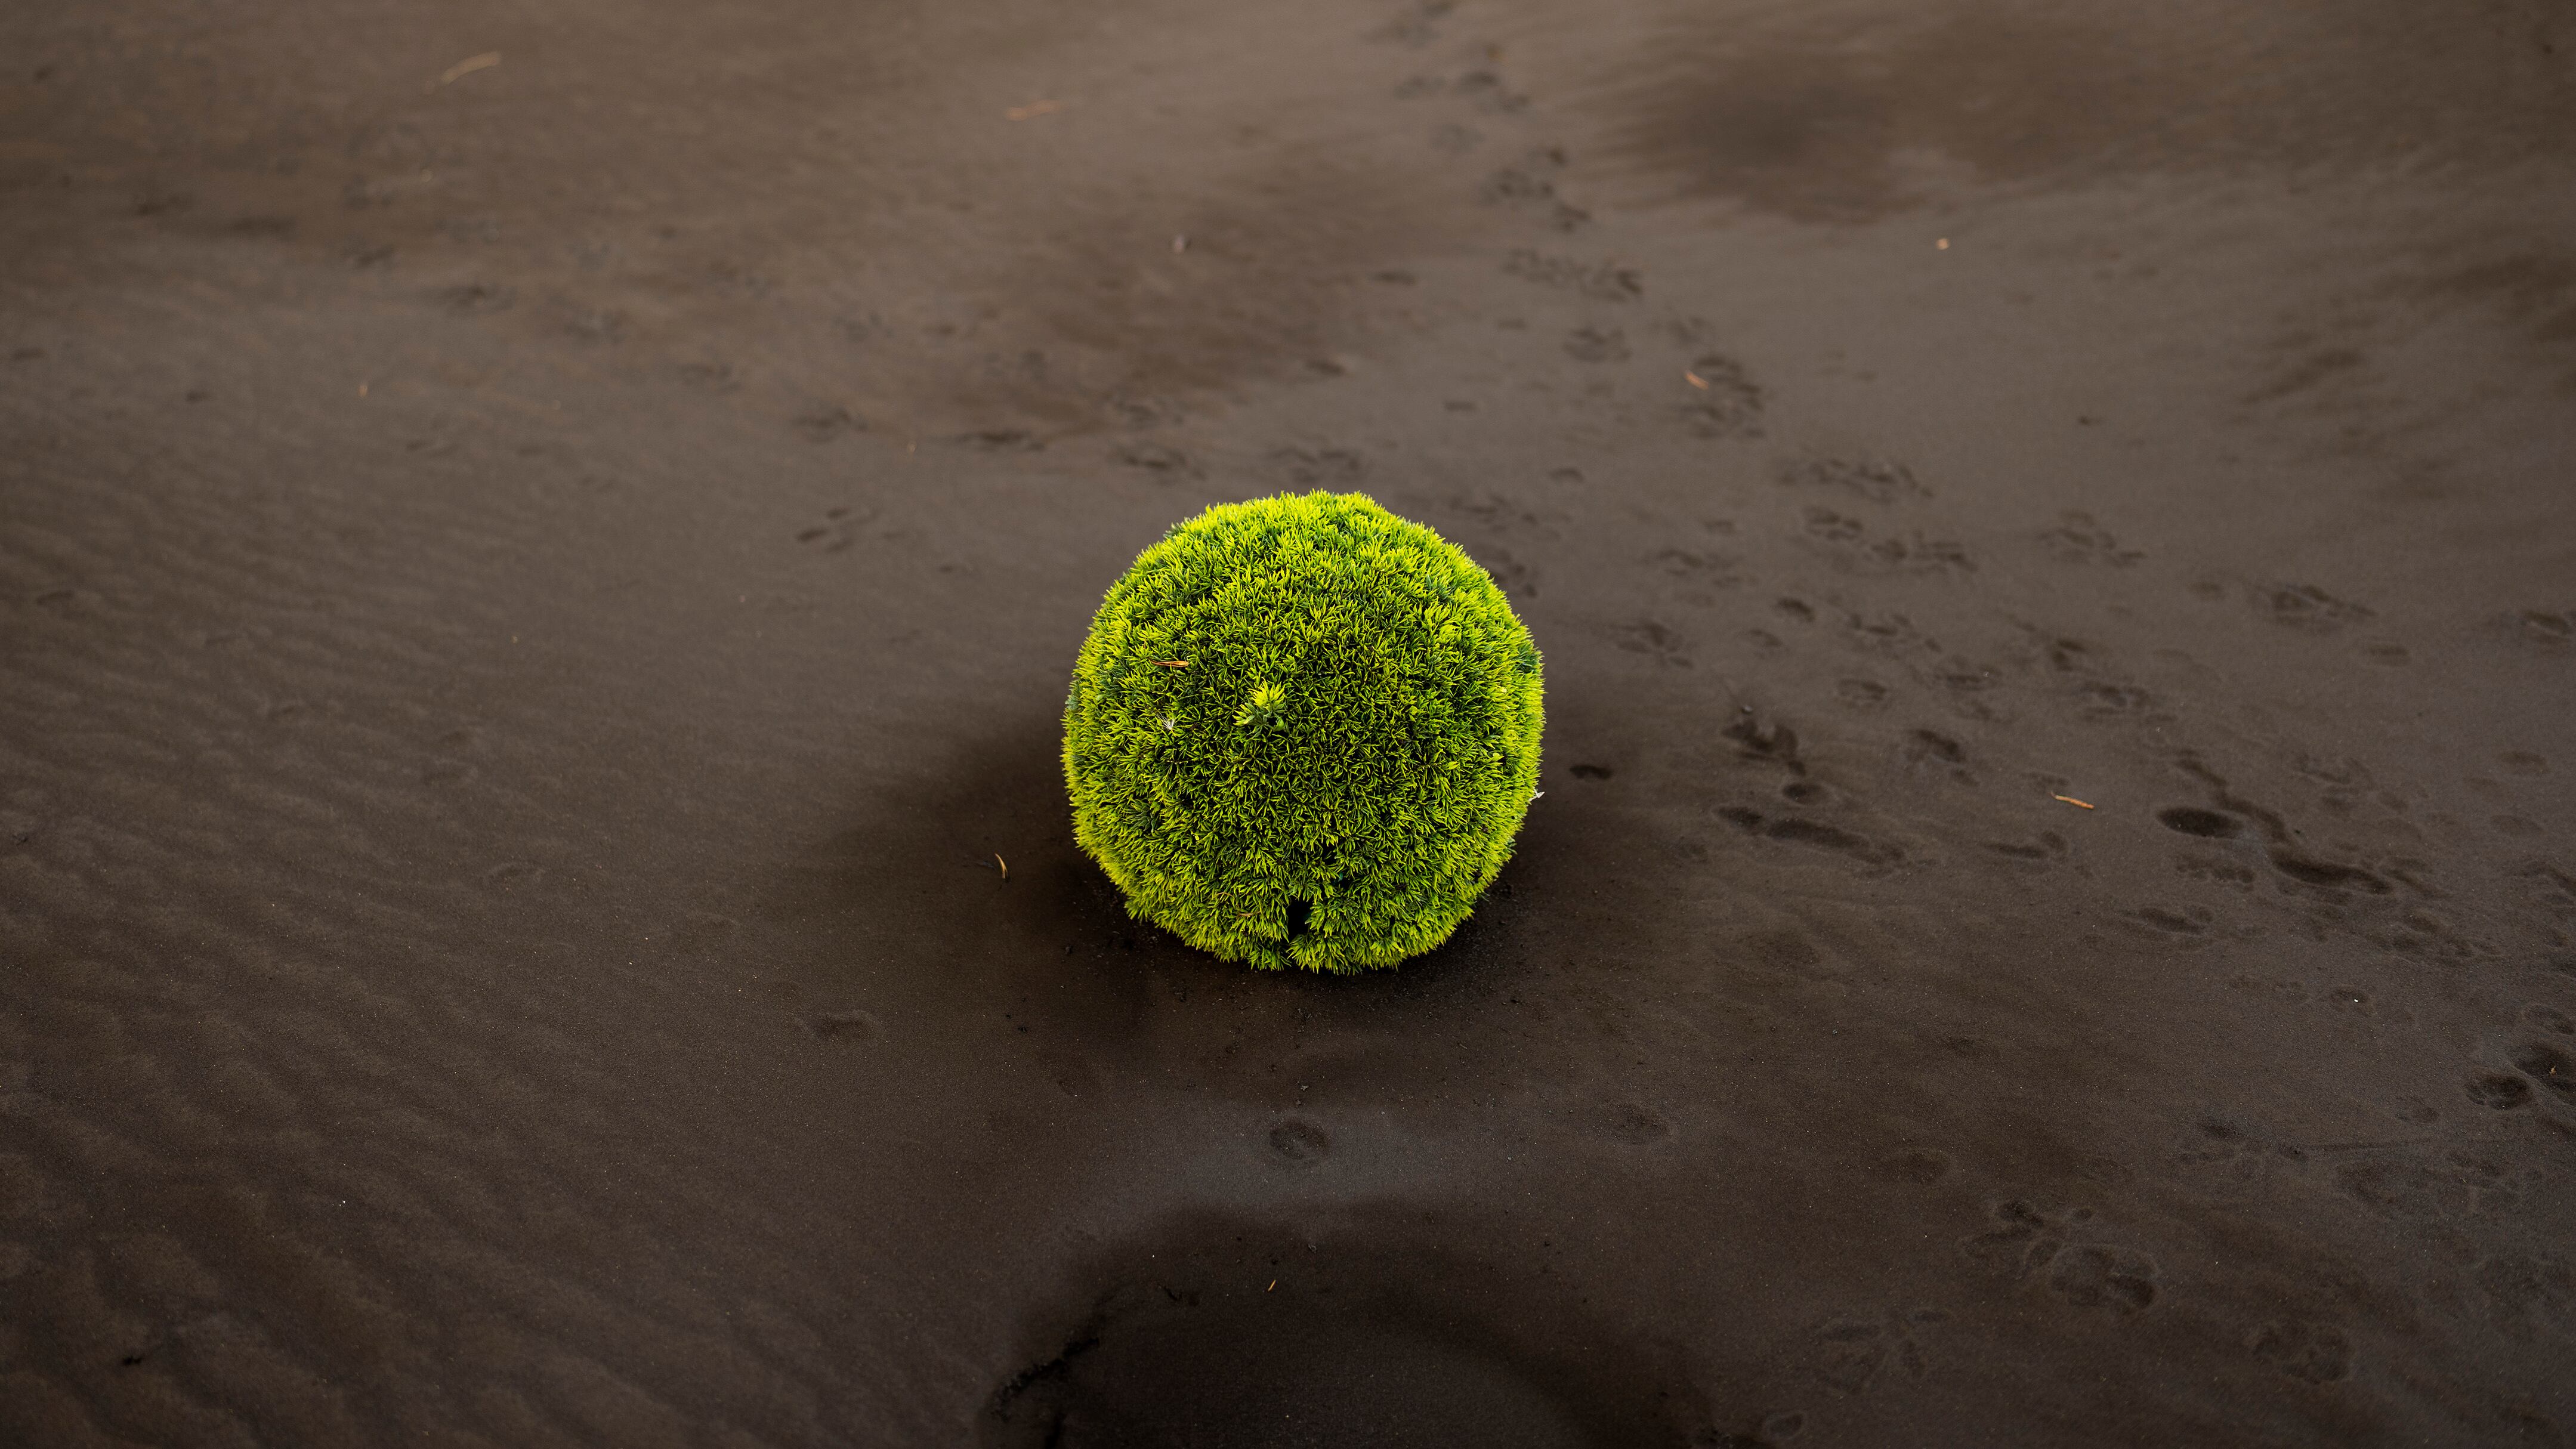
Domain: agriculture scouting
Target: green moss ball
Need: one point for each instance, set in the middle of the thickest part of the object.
(1303, 732)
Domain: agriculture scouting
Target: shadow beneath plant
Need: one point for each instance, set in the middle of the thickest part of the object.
(958, 892)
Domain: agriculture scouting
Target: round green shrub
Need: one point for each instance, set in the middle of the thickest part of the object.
(1303, 731)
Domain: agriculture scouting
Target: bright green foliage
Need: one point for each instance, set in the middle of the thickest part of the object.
(1303, 732)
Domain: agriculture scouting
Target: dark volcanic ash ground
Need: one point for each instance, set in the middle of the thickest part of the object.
(533, 592)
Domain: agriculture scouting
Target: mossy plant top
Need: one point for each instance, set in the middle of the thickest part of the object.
(1303, 732)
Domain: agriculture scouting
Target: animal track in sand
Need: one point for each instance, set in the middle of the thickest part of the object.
(1891, 634)
(835, 534)
(1600, 281)
(1770, 741)
(1712, 570)
(2096, 1276)
(1728, 401)
(848, 1027)
(2245, 1157)
(1650, 638)
(475, 299)
(711, 375)
(2192, 820)
(66, 602)
(1832, 527)
(1000, 440)
(513, 875)
(2049, 846)
(1416, 25)
(1156, 458)
(1630, 1125)
(2036, 1244)
(1795, 831)
(2101, 700)
(2307, 607)
(824, 423)
(2214, 868)
(1531, 185)
(2326, 875)
(1299, 1143)
(1597, 344)
(2078, 539)
(1501, 513)
(1141, 414)
(1877, 481)
(1451, 139)
(2312, 1353)
(1510, 574)
(2549, 1068)
(2545, 627)
(2409, 1188)
(2530, 1292)
(2500, 1091)
(1856, 1354)
(1859, 694)
(1486, 92)
(2189, 921)
(592, 326)
(1328, 466)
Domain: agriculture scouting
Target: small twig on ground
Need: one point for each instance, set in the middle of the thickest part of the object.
(468, 66)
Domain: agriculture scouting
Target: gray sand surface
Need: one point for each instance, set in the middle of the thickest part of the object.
(532, 599)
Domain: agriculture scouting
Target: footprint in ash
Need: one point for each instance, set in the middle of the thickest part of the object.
(1297, 1143)
(1858, 1353)
(1371, 1326)
(2498, 1091)
(848, 1028)
(2312, 1353)
(514, 875)
(1650, 638)
(2192, 820)
(1875, 480)
(836, 533)
(1626, 1123)
(1597, 344)
(2094, 1275)
(1725, 402)
(2550, 1069)
(2037, 1244)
